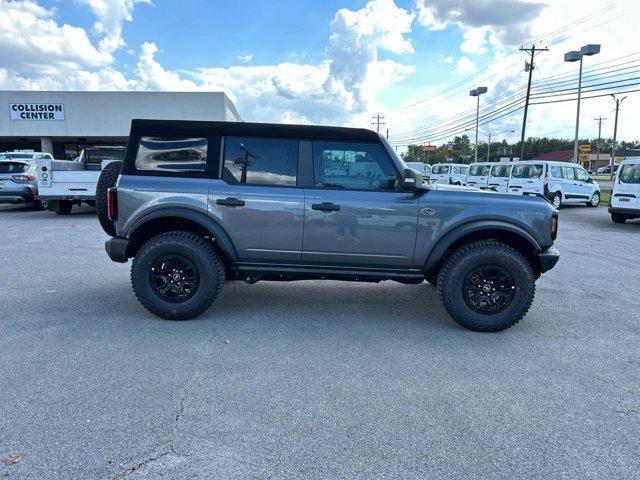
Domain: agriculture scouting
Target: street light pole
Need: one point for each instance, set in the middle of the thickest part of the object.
(476, 92)
(574, 56)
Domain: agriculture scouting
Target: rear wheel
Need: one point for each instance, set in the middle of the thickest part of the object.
(595, 200)
(108, 178)
(618, 217)
(177, 275)
(40, 205)
(64, 207)
(556, 200)
(486, 286)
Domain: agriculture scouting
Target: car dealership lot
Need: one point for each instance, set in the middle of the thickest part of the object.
(314, 379)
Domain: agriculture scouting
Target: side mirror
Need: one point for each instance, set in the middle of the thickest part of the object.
(411, 179)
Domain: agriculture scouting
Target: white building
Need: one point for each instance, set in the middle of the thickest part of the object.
(62, 123)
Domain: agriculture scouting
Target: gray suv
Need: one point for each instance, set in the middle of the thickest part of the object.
(200, 203)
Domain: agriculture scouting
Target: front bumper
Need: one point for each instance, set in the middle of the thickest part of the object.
(548, 259)
(117, 249)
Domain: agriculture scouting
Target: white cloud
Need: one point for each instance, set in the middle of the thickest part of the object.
(111, 15)
(245, 58)
(464, 65)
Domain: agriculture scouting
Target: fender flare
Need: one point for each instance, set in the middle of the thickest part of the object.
(219, 234)
(456, 233)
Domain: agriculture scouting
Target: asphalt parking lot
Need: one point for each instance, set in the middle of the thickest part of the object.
(314, 380)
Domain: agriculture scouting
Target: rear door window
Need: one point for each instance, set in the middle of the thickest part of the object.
(500, 171)
(172, 154)
(527, 171)
(440, 169)
(568, 173)
(260, 161)
(478, 170)
(630, 174)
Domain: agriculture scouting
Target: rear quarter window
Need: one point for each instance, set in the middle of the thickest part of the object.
(171, 154)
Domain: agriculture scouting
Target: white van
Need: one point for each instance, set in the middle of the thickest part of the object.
(449, 173)
(625, 195)
(479, 175)
(423, 168)
(559, 182)
(499, 177)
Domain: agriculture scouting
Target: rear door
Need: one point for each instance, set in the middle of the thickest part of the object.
(257, 199)
(356, 215)
(499, 178)
(527, 178)
(626, 192)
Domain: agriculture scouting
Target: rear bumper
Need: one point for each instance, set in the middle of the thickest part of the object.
(117, 249)
(548, 259)
(16, 196)
(625, 211)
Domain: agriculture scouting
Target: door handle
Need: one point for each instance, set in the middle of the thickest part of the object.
(325, 207)
(230, 202)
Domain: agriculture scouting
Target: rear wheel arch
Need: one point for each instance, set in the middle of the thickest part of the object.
(510, 235)
(168, 220)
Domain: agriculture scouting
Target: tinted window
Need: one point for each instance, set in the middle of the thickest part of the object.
(500, 171)
(582, 175)
(478, 170)
(630, 174)
(568, 173)
(260, 161)
(13, 167)
(556, 171)
(440, 169)
(527, 171)
(165, 154)
(353, 166)
(100, 154)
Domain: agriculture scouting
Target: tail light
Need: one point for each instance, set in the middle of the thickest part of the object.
(23, 178)
(554, 226)
(112, 204)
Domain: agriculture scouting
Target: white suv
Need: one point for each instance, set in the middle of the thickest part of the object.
(560, 182)
(625, 195)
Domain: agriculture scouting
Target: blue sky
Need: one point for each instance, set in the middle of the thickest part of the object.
(317, 61)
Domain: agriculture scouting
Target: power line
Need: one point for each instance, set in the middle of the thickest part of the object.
(528, 67)
(377, 121)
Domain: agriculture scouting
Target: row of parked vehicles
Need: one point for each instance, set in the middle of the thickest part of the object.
(560, 182)
(36, 178)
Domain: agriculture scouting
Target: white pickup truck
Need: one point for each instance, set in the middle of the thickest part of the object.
(63, 184)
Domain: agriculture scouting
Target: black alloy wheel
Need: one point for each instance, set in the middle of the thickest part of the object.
(174, 278)
(488, 289)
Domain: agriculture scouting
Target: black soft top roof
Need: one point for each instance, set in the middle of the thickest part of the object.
(311, 132)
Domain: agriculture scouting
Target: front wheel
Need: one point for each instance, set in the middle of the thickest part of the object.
(177, 275)
(486, 286)
(595, 200)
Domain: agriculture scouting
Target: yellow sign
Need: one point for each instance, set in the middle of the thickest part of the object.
(585, 147)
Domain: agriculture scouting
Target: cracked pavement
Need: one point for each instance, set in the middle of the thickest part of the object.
(317, 379)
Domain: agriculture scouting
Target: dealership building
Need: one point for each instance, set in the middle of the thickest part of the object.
(63, 123)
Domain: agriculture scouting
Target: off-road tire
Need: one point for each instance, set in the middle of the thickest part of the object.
(590, 203)
(553, 200)
(64, 207)
(197, 250)
(618, 217)
(486, 252)
(108, 178)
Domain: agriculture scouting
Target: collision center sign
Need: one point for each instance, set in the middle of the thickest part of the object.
(36, 111)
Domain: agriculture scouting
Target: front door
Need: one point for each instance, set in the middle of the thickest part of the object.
(355, 215)
(569, 184)
(258, 202)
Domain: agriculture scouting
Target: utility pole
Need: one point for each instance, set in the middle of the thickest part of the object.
(599, 120)
(615, 135)
(377, 121)
(528, 67)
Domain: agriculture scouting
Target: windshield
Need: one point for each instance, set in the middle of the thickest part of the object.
(478, 170)
(440, 169)
(527, 171)
(20, 155)
(500, 171)
(630, 174)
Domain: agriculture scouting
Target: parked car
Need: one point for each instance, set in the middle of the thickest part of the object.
(479, 175)
(423, 168)
(499, 177)
(18, 182)
(63, 184)
(201, 203)
(449, 173)
(607, 169)
(625, 195)
(559, 182)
